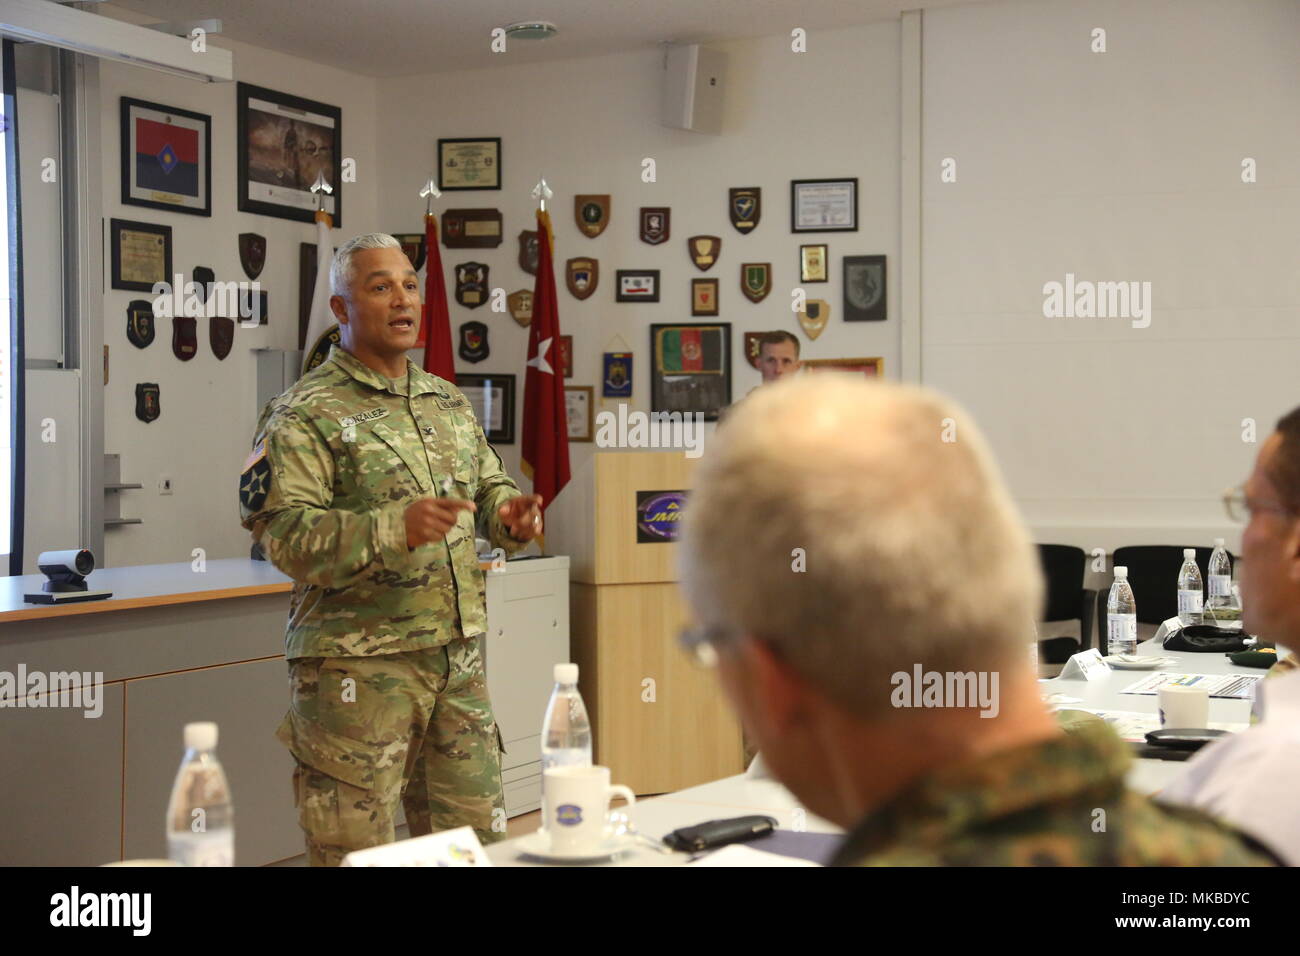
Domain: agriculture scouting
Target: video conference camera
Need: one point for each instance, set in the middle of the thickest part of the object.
(67, 571)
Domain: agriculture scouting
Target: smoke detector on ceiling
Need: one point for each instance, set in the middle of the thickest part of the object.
(531, 30)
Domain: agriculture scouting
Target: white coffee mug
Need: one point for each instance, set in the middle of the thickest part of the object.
(577, 802)
(1184, 707)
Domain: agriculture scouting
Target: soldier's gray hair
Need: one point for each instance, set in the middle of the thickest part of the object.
(859, 528)
(342, 271)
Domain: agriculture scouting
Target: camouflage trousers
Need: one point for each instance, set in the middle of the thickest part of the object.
(366, 732)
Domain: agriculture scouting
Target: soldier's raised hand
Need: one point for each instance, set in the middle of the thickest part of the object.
(429, 519)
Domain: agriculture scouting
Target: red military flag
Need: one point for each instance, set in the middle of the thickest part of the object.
(545, 430)
(435, 323)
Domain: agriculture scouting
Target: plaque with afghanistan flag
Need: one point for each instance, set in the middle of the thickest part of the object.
(690, 368)
(166, 158)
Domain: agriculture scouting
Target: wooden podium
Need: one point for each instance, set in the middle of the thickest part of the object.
(660, 722)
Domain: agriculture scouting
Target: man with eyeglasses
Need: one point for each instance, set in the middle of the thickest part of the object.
(1251, 778)
(828, 605)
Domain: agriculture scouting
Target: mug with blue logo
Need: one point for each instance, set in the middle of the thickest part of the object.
(577, 806)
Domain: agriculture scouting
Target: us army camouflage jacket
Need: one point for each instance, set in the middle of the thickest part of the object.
(1059, 802)
(337, 460)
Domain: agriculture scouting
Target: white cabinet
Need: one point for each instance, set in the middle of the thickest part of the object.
(528, 634)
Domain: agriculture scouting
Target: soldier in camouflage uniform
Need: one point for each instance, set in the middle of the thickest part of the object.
(829, 598)
(363, 486)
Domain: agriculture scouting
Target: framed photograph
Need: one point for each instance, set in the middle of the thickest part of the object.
(637, 285)
(578, 403)
(566, 355)
(824, 205)
(141, 254)
(493, 400)
(864, 289)
(690, 368)
(812, 264)
(284, 141)
(870, 367)
(473, 163)
(166, 158)
(704, 297)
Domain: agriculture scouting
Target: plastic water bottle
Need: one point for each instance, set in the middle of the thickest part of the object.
(566, 731)
(1191, 593)
(1121, 616)
(200, 817)
(1220, 574)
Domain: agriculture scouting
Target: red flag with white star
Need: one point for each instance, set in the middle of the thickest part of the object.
(436, 333)
(545, 430)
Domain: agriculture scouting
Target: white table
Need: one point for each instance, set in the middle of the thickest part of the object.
(744, 795)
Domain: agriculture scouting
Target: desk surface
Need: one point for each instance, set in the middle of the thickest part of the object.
(743, 795)
(152, 585)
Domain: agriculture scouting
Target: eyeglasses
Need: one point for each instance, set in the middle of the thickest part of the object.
(1239, 507)
(699, 643)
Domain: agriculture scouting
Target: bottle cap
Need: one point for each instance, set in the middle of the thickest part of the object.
(1189, 552)
(1218, 542)
(566, 673)
(1121, 572)
(201, 736)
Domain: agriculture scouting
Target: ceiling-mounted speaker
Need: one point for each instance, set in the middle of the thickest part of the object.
(692, 88)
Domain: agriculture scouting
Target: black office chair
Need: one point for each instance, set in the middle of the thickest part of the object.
(1153, 576)
(1066, 600)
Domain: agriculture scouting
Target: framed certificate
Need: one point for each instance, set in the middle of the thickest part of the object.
(141, 254)
(166, 158)
(283, 143)
(493, 400)
(824, 205)
(812, 263)
(469, 163)
(578, 411)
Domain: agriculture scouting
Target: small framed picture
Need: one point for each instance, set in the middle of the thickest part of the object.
(578, 411)
(637, 285)
(284, 143)
(166, 158)
(864, 289)
(566, 355)
(824, 205)
(812, 264)
(870, 367)
(141, 254)
(493, 400)
(704, 297)
(690, 368)
(473, 163)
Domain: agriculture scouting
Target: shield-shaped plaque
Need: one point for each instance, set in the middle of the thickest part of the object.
(139, 322)
(816, 313)
(473, 341)
(520, 305)
(581, 276)
(221, 335)
(756, 280)
(704, 251)
(413, 246)
(745, 205)
(752, 346)
(592, 214)
(471, 284)
(252, 253)
(147, 397)
(655, 224)
(185, 337)
(203, 278)
(528, 251)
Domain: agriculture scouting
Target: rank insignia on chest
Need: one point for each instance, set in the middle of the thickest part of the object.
(255, 480)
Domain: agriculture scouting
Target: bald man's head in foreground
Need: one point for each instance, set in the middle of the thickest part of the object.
(841, 532)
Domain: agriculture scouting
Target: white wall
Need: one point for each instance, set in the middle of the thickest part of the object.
(587, 124)
(209, 406)
(1124, 165)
